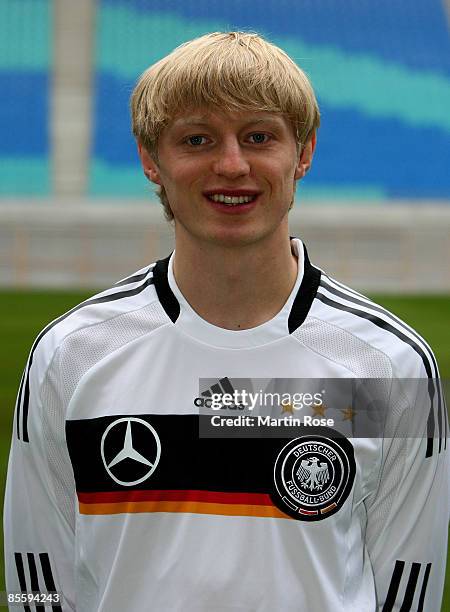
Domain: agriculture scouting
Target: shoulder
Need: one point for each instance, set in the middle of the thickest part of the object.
(376, 338)
(89, 331)
(358, 320)
(128, 296)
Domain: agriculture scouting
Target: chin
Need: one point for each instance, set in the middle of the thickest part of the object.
(240, 238)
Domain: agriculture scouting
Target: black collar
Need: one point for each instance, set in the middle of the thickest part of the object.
(300, 307)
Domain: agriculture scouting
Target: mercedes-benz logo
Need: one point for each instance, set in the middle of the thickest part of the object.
(129, 452)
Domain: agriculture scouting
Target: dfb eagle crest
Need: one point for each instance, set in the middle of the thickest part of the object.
(313, 475)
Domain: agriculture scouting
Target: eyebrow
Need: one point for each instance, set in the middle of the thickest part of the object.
(202, 121)
(183, 122)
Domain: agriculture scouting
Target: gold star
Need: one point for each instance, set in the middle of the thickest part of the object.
(320, 410)
(348, 413)
(287, 408)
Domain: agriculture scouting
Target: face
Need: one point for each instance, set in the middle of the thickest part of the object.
(229, 177)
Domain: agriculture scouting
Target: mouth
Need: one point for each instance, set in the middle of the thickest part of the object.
(232, 199)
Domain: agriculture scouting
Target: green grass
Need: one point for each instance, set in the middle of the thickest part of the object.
(23, 314)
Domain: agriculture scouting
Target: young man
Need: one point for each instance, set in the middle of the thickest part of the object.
(114, 496)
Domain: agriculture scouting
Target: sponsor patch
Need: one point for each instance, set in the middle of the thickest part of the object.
(130, 449)
(313, 476)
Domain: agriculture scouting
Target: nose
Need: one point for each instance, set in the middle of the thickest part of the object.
(231, 161)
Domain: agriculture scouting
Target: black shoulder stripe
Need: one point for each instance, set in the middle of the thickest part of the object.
(430, 431)
(135, 278)
(305, 295)
(410, 588)
(396, 332)
(19, 400)
(394, 586)
(382, 324)
(424, 588)
(48, 578)
(356, 299)
(21, 576)
(442, 420)
(25, 389)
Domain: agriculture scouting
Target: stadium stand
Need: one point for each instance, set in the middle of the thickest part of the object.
(75, 208)
(382, 74)
(25, 72)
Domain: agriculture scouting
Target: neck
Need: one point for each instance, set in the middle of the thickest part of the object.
(235, 287)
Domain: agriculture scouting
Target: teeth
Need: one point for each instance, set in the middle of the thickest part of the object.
(231, 200)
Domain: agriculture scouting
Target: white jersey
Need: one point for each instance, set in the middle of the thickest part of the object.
(116, 501)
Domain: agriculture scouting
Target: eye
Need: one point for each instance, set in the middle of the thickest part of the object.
(195, 140)
(259, 138)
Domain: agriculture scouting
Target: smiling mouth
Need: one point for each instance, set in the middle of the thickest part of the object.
(231, 200)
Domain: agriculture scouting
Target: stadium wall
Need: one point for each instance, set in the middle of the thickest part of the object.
(400, 248)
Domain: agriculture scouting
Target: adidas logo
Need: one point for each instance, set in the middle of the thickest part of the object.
(214, 397)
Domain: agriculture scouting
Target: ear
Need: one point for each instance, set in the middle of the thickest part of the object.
(149, 165)
(306, 156)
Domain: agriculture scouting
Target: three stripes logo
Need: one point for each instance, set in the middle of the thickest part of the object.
(224, 386)
(400, 595)
(34, 575)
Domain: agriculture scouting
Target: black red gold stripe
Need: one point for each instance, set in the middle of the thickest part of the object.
(194, 475)
(196, 502)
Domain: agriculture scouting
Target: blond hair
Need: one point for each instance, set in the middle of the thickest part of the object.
(230, 71)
